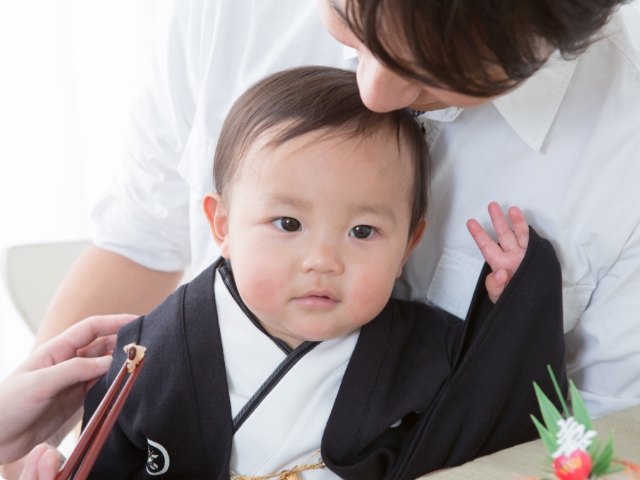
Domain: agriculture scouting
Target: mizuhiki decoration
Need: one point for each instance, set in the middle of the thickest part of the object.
(575, 452)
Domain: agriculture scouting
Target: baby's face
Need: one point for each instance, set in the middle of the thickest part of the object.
(317, 232)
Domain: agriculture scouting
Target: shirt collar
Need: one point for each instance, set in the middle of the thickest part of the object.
(532, 107)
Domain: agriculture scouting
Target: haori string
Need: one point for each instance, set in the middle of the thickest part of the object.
(287, 474)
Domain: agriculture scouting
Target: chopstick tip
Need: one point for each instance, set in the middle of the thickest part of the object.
(135, 353)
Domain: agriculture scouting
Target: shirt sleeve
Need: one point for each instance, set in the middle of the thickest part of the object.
(145, 215)
(603, 350)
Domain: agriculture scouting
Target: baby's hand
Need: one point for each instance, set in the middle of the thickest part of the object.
(505, 258)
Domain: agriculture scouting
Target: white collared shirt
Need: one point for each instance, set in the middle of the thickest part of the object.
(565, 147)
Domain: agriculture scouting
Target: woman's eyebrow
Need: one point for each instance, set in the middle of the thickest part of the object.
(337, 10)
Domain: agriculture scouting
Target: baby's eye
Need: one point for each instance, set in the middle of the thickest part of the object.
(287, 224)
(362, 231)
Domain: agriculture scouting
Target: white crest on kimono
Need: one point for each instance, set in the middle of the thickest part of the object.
(155, 464)
(571, 437)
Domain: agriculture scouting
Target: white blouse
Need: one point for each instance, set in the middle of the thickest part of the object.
(565, 147)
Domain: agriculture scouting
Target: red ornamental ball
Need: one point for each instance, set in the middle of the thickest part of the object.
(576, 466)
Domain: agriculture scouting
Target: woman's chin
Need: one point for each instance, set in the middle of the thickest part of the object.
(428, 106)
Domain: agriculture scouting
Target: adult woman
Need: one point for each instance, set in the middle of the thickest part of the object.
(48, 388)
(560, 141)
(556, 141)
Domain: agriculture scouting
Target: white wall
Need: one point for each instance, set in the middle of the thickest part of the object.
(69, 70)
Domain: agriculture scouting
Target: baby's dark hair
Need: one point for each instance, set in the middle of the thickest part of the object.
(308, 99)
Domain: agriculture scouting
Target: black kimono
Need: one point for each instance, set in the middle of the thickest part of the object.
(462, 389)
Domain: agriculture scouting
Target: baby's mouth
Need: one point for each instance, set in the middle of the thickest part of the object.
(317, 300)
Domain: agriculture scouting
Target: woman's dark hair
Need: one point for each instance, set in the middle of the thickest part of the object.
(308, 99)
(475, 47)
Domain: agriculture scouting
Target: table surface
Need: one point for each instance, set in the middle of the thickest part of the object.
(527, 460)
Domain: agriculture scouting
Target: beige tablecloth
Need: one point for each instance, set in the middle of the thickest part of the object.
(528, 459)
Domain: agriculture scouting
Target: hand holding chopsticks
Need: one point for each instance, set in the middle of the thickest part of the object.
(97, 430)
(40, 395)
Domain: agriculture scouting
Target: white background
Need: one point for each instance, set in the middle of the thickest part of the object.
(69, 70)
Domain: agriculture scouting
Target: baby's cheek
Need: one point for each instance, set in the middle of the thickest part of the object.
(368, 296)
(259, 269)
(262, 296)
(262, 290)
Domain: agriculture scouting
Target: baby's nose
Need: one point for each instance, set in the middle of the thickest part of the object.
(323, 259)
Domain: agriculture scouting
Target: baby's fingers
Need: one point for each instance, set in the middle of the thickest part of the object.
(488, 247)
(505, 234)
(495, 283)
(520, 227)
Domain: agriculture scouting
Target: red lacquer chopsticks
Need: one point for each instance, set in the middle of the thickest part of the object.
(97, 430)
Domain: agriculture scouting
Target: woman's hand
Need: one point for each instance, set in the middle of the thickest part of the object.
(43, 463)
(49, 386)
(504, 258)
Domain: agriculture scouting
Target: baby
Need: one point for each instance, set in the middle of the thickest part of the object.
(287, 356)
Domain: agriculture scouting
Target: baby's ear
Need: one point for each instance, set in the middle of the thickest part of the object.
(216, 212)
(412, 243)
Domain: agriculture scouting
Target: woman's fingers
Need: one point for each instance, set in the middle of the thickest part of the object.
(42, 463)
(30, 469)
(82, 334)
(87, 331)
(99, 347)
(70, 372)
(506, 237)
(520, 227)
(49, 464)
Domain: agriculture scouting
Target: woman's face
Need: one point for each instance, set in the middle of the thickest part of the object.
(381, 89)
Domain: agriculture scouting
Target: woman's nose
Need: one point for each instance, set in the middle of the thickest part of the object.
(323, 259)
(381, 89)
